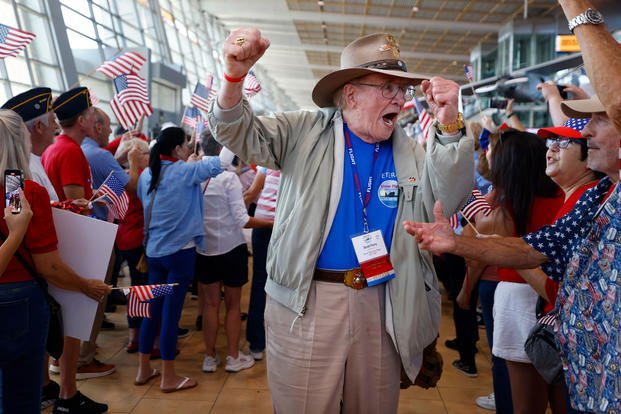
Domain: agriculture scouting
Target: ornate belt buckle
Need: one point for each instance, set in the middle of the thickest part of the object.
(354, 279)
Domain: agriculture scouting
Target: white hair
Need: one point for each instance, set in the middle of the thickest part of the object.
(30, 124)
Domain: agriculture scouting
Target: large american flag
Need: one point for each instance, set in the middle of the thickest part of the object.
(13, 41)
(203, 94)
(123, 63)
(475, 204)
(129, 113)
(424, 118)
(252, 86)
(116, 196)
(131, 87)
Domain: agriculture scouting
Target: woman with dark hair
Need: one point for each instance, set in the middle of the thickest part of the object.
(524, 199)
(170, 193)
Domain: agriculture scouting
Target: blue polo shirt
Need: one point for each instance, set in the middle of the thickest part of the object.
(338, 251)
(102, 162)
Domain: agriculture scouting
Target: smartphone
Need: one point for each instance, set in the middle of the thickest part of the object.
(498, 103)
(13, 182)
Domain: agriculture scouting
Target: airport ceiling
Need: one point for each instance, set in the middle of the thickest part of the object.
(307, 36)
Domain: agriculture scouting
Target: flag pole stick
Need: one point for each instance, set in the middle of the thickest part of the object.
(127, 287)
(469, 222)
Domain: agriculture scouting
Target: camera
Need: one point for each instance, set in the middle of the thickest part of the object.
(498, 103)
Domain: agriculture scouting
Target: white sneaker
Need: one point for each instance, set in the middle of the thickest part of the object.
(210, 364)
(242, 361)
(487, 401)
(257, 355)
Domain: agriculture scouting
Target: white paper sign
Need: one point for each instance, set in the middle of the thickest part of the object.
(85, 244)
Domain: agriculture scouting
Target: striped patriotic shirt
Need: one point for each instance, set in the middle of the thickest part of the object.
(266, 206)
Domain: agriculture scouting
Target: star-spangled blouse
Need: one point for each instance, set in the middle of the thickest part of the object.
(584, 252)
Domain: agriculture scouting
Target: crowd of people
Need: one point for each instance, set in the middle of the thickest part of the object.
(350, 230)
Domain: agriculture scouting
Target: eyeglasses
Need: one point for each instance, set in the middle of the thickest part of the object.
(390, 90)
(556, 143)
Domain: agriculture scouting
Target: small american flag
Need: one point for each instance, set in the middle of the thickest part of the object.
(203, 94)
(117, 198)
(469, 73)
(147, 292)
(13, 41)
(424, 118)
(192, 117)
(475, 204)
(131, 87)
(123, 63)
(252, 86)
(94, 98)
(137, 309)
(129, 113)
(454, 221)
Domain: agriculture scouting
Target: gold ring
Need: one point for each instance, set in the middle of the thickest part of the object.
(240, 41)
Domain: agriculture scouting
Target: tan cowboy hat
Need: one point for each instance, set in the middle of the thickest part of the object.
(375, 53)
(582, 108)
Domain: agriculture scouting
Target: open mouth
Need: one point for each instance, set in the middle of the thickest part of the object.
(390, 118)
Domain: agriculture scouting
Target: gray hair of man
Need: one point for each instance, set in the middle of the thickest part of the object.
(14, 143)
(141, 144)
(44, 119)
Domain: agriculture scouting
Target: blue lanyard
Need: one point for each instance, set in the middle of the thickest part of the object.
(364, 202)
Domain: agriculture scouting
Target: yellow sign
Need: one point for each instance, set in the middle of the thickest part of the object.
(567, 43)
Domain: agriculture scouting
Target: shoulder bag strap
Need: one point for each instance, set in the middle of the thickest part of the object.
(27, 265)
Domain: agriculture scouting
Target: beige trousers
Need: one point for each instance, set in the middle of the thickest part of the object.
(338, 353)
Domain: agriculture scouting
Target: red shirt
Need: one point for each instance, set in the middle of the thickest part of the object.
(40, 236)
(543, 212)
(65, 164)
(131, 229)
(114, 144)
(551, 285)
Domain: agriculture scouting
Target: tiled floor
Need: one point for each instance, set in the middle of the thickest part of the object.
(247, 391)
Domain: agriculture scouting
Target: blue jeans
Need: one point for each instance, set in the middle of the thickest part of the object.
(500, 375)
(137, 278)
(25, 316)
(166, 310)
(255, 329)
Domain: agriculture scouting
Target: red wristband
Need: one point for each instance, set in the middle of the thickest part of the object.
(234, 80)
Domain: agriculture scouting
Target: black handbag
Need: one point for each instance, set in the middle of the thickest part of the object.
(543, 351)
(55, 332)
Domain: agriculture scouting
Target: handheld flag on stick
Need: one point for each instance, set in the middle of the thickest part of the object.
(192, 117)
(115, 196)
(424, 118)
(475, 204)
(203, 94)
(252, 86)
(129, 113)
(137, 305)
(131, 87)
(121, 64)
(13, 41)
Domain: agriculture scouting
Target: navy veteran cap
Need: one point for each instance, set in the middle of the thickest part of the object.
(31, 104)
(71, 103)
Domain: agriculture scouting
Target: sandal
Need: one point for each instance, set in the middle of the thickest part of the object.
(132, 347)
(154, 374)
(185, 384)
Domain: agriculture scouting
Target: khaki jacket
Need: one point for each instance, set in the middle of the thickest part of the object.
(308, 148)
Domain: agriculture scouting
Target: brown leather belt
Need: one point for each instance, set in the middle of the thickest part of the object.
(352, 278)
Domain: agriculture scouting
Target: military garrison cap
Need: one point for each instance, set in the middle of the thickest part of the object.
(31, 104)
(72, 103)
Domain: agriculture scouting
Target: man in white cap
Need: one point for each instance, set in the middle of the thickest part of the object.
(581, 249)
(350, 298)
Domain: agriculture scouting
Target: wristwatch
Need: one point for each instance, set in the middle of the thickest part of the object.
(454, 126)
(590, 16)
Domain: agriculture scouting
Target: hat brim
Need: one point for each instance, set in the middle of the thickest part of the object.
(326, 87)
(561, 131)
(582, 108)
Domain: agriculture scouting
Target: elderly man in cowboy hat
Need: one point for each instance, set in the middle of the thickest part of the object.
(351, 298)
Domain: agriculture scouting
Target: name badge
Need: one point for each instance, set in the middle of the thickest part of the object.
(373, 257)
